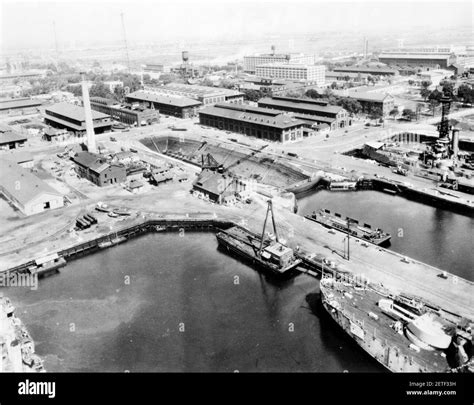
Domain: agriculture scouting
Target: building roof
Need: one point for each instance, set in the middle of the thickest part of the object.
(366, 69)
(309, 105)
(351, 75)
(73, 112)
(256, 115)
(17, 157)
(368, 96)
(11, 136)
(21, 184)
(168, 99)
(19, 103)
(375, 145)
(196, 91)
(290, 65)
(217, 183)
(92, 161)
(444, 56)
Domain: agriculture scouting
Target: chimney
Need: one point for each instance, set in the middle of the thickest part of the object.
(88, 113)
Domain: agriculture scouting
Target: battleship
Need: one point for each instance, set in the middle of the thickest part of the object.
(350, 226)
(401, 332)
(17, 349)
(267, 253)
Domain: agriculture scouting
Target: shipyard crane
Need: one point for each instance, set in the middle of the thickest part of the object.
(269, 210)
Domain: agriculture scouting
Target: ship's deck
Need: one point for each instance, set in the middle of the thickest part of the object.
(357, 309)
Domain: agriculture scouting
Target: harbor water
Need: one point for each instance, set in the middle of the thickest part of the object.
(432, 235)
(165, 302)
(162, 302)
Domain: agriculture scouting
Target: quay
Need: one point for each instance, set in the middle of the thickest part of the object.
(309, 239)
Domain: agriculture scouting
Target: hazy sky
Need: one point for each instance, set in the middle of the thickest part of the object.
(30, 23)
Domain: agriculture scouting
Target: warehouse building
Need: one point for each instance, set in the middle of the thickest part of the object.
(311, 74)
(371, 100)
(252, 61)
(218, 187)
(96, 169)
(10, 139)
(167, 104)
(19, 106)
(72, 117)
(419, 57)
(309, 107)
(205, 94)
(261, 123)
(138, 116)
(374, 71)
(26, 191)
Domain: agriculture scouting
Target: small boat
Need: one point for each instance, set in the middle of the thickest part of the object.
(122, 211)
(102, 207)
(112, 214)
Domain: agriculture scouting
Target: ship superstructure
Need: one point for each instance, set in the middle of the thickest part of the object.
(402, 333)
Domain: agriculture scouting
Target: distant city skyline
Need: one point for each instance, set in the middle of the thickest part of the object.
(30, 24)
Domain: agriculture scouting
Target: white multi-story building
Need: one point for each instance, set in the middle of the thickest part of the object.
(251, 62)
(297, 72)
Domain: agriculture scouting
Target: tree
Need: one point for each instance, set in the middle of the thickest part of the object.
(448, 88)
(466, 93)
(425, 84)
(350, 105)
(333, 85)
(408, 114)
(425, 93)
(376, 113)
(166, 78)
(100, 90)
(394, 112)
(411, 82)
(435, 95)
(312, 93)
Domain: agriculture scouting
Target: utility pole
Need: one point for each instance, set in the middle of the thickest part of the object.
(125, 42)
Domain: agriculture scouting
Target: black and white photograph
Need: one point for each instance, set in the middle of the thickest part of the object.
(235, 186)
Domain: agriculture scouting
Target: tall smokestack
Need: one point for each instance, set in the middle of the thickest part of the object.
(88, 113)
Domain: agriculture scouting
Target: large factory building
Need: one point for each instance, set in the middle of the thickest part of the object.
(25, 191)
(167, 104)
(205, 94)
(419, 57)
(309, 107)
(311, 74)
(72, 117)
(261, 123)
(251, 62)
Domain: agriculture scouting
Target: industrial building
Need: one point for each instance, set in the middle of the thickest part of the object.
(205, 94)
(309, 107)
(372, 100)
(139, 116)
(339, 77)
(218, 187)
(374, 70)
(167, 104)
(311, 74)
(10, 139)
(72, 117)
(419, 57)
(252, 61)
(261, 123)
(26, 191)
(19, 106)
(96, 169)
